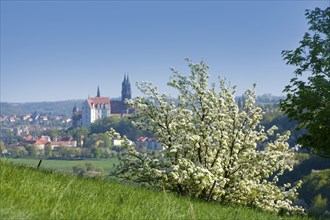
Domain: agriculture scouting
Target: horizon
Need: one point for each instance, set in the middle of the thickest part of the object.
(117, 98)
(56, 50)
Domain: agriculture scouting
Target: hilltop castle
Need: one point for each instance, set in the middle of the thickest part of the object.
(95, 108)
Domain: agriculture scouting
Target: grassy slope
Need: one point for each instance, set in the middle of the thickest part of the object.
(40, 194)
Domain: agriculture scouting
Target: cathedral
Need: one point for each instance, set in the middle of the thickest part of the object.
(98, 107)
(119, 106)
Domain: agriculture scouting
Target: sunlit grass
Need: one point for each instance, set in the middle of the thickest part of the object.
(33, 193)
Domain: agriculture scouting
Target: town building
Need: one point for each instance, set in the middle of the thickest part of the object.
(94, 108)
(119, 106)
(149, 143)
(99, 107)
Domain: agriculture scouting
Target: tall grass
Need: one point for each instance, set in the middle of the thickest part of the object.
(31, 193)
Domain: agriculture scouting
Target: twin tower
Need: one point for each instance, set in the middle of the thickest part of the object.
(126, 92)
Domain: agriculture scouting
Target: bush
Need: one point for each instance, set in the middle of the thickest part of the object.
(87, 169)
(318, 206)
(208, 140)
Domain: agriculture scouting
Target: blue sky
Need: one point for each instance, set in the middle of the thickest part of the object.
(61, 50)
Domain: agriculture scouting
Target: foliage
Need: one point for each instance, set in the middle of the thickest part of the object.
(308, 102)
(122, 125)
(48, 151)
(87, 168)
(76, 117)
(2, 147)
(79, 134)
(317, 183)
(271, 114)
(67, 152)
(283, 123)
(99, 140)
(53, 133)
(20, 152)
(32, 150)
(53, 195)
(315, 173)
(208, 140)
(304, 166)
(319, 206)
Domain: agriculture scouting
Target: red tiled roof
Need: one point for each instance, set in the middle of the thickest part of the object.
(41, 141)
(28, 138)
(99, 101)
(143, 139)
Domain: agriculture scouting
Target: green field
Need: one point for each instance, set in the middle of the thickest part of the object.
(65, 165)
(31, 193)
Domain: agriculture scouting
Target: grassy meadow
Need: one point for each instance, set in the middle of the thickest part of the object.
(31, 193)
(65, 165)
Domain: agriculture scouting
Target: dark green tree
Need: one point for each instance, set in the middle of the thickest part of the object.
(48, 150)
(21, 152)
(67, 152)
(96, 152)
(85, 168)
(99, 140)
(2, 147)
(308, 101)
(32, 150)
(79, 134)
(123, 125)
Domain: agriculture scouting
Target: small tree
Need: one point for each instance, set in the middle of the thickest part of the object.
(32, 150)
(48, 150)
(87, 168)
(99, 140)
(209, 141)
(79, 169)
(21, 152)
(2, 147)
(308, 101)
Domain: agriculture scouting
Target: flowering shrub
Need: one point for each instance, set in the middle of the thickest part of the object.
(208, 141)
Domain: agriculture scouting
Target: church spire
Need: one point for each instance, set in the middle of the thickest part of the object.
(126, 89)
(98, 92)
(75, 109)
(127, 80)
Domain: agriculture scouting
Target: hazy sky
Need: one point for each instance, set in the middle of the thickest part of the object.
(60, 50)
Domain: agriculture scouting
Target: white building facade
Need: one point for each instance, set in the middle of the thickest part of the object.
(94, 109)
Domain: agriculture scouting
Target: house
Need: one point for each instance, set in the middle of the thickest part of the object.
(149, 143)
(40, 144)
(118, 142)
(94, 109)
(45, 137)
(71, 143)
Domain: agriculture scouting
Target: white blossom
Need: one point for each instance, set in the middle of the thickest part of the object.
(207, 139)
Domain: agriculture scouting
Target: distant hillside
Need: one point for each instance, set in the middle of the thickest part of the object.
(54, 108)
(65, 107)
(268, 99)
(264, 99)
